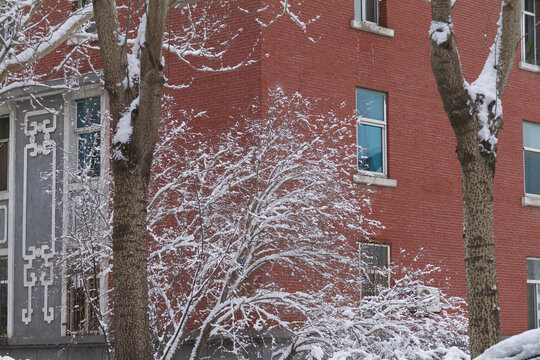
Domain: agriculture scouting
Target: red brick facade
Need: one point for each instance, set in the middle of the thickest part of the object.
(424, 210)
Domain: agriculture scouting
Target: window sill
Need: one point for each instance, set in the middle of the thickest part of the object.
(372, 28)
(374, 180)
(529, 67)
(530, 200)
(4, 195)
(79, 38)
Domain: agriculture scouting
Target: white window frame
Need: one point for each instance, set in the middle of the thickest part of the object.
(71, 157)
(533, 150)
(372, 270)
(71, 183)
(536, 284)
(536, 17)
(360, 11)
(360, 120)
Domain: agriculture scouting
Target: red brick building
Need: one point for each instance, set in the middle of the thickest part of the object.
(383, 51)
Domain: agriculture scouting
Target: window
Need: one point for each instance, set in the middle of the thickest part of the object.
(82, 305)
(88, 132)
(530, 46)
(4, 155)
(533, 292)
(375, 260)
(371, 131)
(531, 155)
(366, 11)
(3, 295)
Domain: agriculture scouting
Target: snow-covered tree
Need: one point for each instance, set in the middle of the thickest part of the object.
(259, 229)
(475, 113)
(133, 70)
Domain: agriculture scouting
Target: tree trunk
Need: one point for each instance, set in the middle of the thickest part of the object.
(478, 172)
(132, 161)
(464, 105)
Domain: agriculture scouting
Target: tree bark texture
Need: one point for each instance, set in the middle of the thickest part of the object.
(477, 162)
(131, 168)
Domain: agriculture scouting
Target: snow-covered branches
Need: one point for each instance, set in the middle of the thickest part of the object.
(259, 231)
(29, 30)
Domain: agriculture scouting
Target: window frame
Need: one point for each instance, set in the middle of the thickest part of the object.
(360, 9)
(375, 270)
(383, 124)
(536, 44)
(88, 129)
(83, 326)
(6, 283)
(71, 157)
(536, 284)
(530, 150)
(6, 142)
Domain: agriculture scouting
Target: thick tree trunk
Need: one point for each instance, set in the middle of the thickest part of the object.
(132, 336)
(478, 171)
(132, 161)
(463, 105)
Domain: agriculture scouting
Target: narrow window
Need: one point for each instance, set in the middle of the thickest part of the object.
(88, 132)
(3, 295)
(371, 131)
(82, 305)
(4, 154)
(375, 261)
(531, 155)
(533, 292)
(530, 32)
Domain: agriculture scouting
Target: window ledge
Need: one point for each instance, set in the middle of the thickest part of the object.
(530, 200)
(529, 67)
(374, 180)
(372, 28)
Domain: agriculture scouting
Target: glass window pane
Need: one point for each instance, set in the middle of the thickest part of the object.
(371, 10)
(531, 306)
(533, 269)
(528, 5)
(375, 255)
(3, 165)
(370, 156)
(3, 296)
(88, 112)
(529, 39)
(531, 135)
(88, 153)
(532, 173)
(4, 128)
(370, 104)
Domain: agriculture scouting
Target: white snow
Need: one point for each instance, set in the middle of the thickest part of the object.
(519, 347)
(124, 129)
(440, 31)
(484, 91)
(317, 353)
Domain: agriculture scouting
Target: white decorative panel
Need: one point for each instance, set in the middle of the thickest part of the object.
(40, 145)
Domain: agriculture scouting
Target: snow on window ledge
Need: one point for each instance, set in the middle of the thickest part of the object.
(372, 28)
(530, 200)
(374, 180)
(529, 67)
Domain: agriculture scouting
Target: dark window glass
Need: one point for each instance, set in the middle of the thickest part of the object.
(89, 154)
(4, 154)
(88, 112)
(371, 10)
(375, 270)
(532, 173)
(531, 306)
(3, 296)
